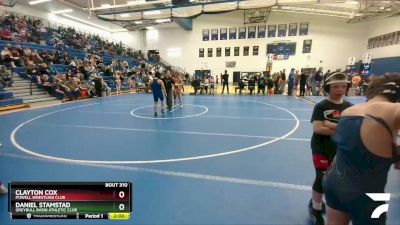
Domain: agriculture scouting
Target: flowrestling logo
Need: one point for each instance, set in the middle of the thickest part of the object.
(382, 208)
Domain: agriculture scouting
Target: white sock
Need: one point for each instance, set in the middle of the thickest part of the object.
(317, 206)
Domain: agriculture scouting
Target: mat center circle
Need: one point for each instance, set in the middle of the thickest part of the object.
(145, 112)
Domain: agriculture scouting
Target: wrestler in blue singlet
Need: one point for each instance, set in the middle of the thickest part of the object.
(356, 171)
(157, 92)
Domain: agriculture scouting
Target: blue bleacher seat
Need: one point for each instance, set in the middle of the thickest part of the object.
(12, 101)
(18, 69)
(6, 95)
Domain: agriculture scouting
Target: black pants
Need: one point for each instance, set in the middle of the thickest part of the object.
(169, 98)
(223, 87)
(302, 89)
(290, 89)
(261, 88)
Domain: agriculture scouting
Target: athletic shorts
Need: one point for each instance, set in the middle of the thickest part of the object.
(343, 194)
(157, 96)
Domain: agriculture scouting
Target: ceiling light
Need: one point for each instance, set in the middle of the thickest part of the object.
(136, 2)
(38, 1)
(154, 12)
(163, 20)
(105, 5)
(150, 28)
(352, 2)
(124, 15)
(62, 11)
(138, 22)
(92, 24)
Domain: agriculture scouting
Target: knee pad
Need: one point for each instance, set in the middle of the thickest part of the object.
(321, 162)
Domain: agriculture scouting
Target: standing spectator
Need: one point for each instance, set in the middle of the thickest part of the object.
(356, 80)
(251, 84)
(225, 79)
(270, 85)
(261, 85)
(291, 81)
(303, 82)
(296, 82)
(317, 81)
(282, 81)
(309, 83)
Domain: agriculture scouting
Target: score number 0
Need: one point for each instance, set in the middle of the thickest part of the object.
(121, 206)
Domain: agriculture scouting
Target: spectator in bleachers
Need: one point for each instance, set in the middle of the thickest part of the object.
(7, 58)
(16, 57)
(47, 58)
(35, 57)
(52, 69)
(43, 69)
(105, 87)
(24, 29)
(5, 77)
(72, 88)
(57, 89)
(5, 34)
(46, 82)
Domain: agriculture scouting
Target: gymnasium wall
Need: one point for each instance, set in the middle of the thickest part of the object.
(333, 42)
(380, 27)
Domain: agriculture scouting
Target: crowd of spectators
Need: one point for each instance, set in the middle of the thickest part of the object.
(79, 78)
(27, 29)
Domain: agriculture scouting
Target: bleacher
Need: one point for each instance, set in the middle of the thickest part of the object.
(7, 100)
(21, 71)
(74, 54)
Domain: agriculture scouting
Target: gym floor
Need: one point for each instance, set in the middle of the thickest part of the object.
(223, 159)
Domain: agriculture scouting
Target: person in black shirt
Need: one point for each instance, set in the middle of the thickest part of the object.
(225, 78)
(325, 116)
(168, 83)
(303, 82)
(261, 85)
(270, 85)
(252, 84)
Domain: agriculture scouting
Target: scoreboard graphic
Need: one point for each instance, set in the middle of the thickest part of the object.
(77, 200)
